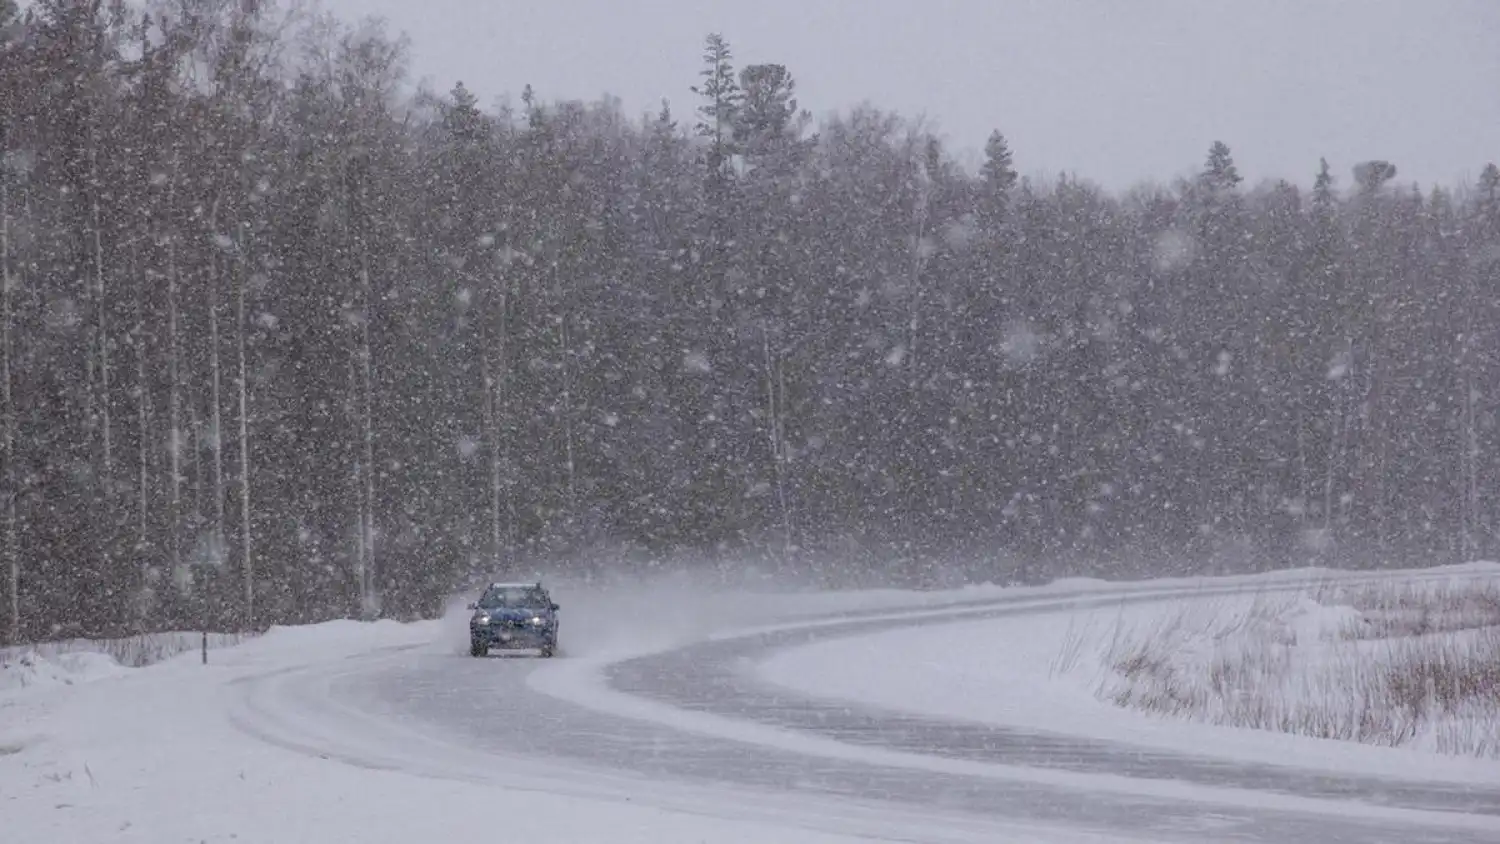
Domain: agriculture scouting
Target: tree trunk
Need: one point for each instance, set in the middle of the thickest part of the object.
(8, 435)
(1338, 440)
(1304, 486)
(96, 220)
(565, 348)
(1375, 400)
(216, 391)
(1468, 442)
(174, 400)
(917, 291)
(492, 433)
(503, 395)
(567, 411)
(174, 391)
(775, 385)
(143, 423)
(247, 560)
(372, 593)
(195, 439)
(101, 329)
(361, 567)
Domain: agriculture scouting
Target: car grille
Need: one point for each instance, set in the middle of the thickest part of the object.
(514, 624)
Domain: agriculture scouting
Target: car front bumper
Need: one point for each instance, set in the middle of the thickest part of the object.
(512, 636)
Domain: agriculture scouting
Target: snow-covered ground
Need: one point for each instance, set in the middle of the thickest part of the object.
(1296, 654)
(150, 756)
(1415, 666)
(93, 751)
(90, 750)
(70, 660)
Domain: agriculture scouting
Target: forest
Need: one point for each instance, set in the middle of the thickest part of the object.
(287, 337)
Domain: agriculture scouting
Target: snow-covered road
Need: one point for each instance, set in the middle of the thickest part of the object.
(662, 722)
(697, 726)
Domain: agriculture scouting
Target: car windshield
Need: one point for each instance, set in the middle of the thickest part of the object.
(498, 597)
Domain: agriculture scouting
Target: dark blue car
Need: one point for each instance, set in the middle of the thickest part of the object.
(513, 615)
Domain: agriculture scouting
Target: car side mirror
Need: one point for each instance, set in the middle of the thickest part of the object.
(473, 606)
(555, 608)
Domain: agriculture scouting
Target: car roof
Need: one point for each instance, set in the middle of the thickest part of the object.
(516, 585)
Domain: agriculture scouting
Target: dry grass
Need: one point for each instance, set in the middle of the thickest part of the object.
(1413, 609)
(1387, 664)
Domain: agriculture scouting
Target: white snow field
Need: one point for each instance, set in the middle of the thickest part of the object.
(1315, 669)
(656, 724)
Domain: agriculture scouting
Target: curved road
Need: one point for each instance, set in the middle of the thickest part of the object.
(492, 712)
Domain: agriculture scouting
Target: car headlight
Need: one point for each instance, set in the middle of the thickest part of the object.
(481, 619)
(538, 620)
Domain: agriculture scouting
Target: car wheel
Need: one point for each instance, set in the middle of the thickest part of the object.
(478, 649)
(548, 650)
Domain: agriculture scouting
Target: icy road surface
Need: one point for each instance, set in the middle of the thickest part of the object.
(682, 726)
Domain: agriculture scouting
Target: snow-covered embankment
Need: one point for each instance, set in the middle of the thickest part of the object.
(1394, 676)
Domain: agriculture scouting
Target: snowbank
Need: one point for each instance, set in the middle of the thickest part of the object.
(148, 755)
(129, 651)
(154, 754)
(91, 750)
(32, 669)
(1062, 672)
(1400, 664)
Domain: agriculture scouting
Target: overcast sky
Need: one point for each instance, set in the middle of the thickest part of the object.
(1117, 92)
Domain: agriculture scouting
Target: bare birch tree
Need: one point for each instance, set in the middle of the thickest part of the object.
(143, 441)
(8, 434)
(242, 386)
(215, 372)
(367, 433)
(175, 442)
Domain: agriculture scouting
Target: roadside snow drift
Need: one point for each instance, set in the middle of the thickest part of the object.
(92, 751)
(31, 669)
(1275, 676)
(1413, 665)
(102, 753)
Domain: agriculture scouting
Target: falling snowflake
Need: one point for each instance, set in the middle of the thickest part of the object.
(1172, 251)
(18, 162)
(1339, 366)
(62, 314)
(1020, 344)
(958, 234)
(1317, 539)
